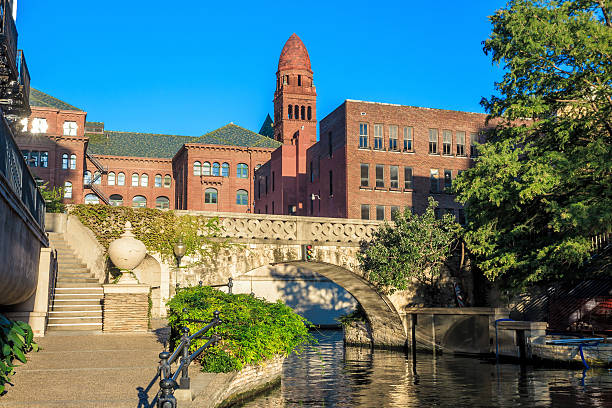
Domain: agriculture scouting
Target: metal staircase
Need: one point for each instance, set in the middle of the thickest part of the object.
(97, 176)
(77, 301)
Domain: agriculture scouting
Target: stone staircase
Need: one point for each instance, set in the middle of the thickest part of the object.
(77, 301)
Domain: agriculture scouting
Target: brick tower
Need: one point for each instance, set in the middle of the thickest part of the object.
(295, 98)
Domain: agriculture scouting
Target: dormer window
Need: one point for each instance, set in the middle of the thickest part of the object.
(70, 128)
(39, 125)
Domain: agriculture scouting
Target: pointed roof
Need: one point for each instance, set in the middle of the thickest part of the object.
(234, 135)
(267, 128)
(294, 55)
(43, 100)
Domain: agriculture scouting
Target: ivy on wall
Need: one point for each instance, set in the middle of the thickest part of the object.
(158, 230)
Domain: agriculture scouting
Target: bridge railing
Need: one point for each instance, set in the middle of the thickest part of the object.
(292, 228)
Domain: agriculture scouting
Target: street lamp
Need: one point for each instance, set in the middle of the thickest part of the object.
(179, 251)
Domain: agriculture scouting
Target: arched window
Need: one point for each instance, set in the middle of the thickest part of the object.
(290, 112)
(92, 199)
(210, 196)
(67, 189)
(158, 180)
(309, 113)
(72, 161)
(162, 203)
(167, 181)
(139, 201)
(144, 180)
(134, 179)
(121, 179)
(216, 169)
(206, 169)
(87, 178)
(242, 197)
(303, 112)
(111, 179)
(296, 111)
(242, 170)
(197, 168)
(225, 170)
(97, 179)
(115, 200)
(64, 161)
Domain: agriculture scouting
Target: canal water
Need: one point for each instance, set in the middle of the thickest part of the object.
(330, 375)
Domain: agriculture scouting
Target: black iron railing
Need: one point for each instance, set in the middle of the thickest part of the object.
(168, 380)
(229, 284)
(8, 35)
(97, 191)
(24, 83)
(96, 162)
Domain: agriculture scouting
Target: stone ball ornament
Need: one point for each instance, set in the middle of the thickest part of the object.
(127, 252)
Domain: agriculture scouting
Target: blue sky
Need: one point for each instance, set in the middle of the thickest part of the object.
(188, 67)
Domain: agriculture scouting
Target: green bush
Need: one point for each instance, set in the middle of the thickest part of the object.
(16, 339)
(252, 331)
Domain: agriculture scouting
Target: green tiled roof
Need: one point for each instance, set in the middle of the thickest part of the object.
(267, 128)
(41, 99)
(234, 135)
(133, 144)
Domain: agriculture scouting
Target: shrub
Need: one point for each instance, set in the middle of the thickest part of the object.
(16, 339)
(252, 331)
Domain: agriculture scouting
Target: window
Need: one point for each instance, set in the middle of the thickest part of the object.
(206, 169)
(408, 139)
(433, 141)
(290, 112)
(39, 125)
(394, 176)
(331, 183)
(303, 111)
(473, 143)
(97, 178)
(135, 180)
(139, 201)
(33, 159)
(378, 137)
(26, 155)
(408, 178)
(296, 112)
(363, 135)
(461, 216)
(380, 175)
(393, 145)
(299, 80)
(460, 143)
(162, 203)
(167, 181)
(225, 170)
(144, 180)
(216, 169)
(111, 179)
(158, 180)
(115, 200)
(329, 144)
(70, 128)
(309, 110)
(394, 212)
(242, 170)
(365, 175)
(210, 196)
(67, 189)
(197, 168)
(44, 159)
(448, 180)
(242, 197)
(87, 178)
(380, 212)
(64, 161)
(433, 179)
(92, 199)
(121, 179)
(447, 140)
(273, 181)
(72, 161)
(365, 212)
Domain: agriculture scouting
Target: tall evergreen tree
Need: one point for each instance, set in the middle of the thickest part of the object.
(542, 185)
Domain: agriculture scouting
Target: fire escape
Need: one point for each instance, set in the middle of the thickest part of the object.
(97, 176)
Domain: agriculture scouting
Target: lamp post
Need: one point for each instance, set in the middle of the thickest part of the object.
(179, 251)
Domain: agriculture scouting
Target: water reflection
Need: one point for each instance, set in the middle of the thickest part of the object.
(331, 376)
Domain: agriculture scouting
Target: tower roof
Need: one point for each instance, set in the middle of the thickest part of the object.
(294, 55)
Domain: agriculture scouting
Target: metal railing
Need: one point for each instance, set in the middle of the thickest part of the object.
(98, 192)
(24, 83)
(8, 35)
(229, 284)
(167, 384)
(96, 162)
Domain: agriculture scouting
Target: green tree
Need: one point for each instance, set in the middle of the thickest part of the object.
(53, 198)
(542, 185)
(413, 247)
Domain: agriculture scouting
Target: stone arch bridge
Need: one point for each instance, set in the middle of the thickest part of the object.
(275, 241)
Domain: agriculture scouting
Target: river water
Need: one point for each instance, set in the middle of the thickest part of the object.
(330, 375)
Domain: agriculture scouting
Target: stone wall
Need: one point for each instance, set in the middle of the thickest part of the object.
(357, 333)
(125, 308)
